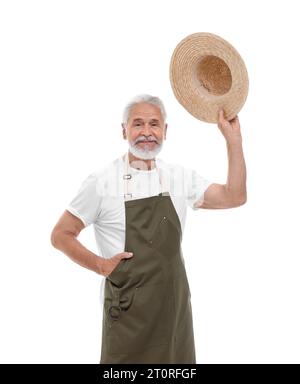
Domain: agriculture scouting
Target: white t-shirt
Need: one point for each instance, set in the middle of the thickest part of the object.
(100, 199)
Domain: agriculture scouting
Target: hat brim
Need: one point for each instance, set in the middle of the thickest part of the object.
(223, 65)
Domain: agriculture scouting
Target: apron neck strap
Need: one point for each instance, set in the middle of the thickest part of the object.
(128, 176)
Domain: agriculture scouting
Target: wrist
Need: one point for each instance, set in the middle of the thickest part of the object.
(100, 265)
(236, 142)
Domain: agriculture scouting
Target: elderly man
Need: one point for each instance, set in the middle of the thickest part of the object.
(137, 204)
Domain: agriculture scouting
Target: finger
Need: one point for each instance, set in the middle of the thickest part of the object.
(127, 254)
(123, 255)
(234, 119)
(222, 118)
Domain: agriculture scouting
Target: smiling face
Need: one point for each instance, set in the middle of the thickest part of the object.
(145, 130)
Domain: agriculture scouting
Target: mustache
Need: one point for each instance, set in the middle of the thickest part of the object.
(143, 138)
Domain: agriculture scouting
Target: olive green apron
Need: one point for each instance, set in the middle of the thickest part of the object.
(147, 314)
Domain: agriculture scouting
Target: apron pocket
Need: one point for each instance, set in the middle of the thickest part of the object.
(116, 276)
(166, 237)
(146, 323)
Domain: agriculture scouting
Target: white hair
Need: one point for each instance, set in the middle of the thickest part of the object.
(144, 98)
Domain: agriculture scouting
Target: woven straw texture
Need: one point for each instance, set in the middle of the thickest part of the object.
(206, 73)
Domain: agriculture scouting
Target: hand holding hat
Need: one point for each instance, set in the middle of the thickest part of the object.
(230, 129)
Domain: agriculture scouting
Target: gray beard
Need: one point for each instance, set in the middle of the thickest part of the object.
(145, 154)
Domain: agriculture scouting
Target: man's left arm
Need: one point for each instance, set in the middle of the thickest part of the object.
(234, 192)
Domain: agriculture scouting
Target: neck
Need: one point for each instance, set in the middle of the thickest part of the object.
(138, 163)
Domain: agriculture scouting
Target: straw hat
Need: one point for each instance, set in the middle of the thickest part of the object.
(206, 73)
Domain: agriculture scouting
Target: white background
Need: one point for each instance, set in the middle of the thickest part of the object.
(67, 69)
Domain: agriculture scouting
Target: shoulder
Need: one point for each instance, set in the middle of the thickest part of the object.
(105, 179)
(87, 203)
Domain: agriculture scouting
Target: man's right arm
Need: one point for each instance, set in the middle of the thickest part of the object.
(64, 237)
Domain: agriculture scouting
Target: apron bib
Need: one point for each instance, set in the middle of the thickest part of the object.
(147, 314)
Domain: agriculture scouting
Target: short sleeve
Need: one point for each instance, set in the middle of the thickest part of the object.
(86, 204)
(196, 186)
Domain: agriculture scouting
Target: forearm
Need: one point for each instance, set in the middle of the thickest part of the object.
(71, 247)
(236, 179)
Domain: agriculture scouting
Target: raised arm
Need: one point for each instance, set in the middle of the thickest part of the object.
(234, 192)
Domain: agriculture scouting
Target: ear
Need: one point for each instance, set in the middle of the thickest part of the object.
(166, 126)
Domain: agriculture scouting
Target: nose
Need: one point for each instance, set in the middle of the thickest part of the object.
(147, 130)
